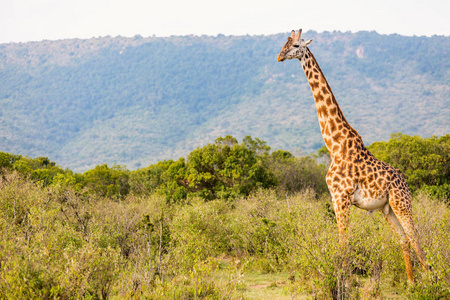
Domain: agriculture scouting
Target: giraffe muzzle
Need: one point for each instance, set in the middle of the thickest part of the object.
(281, 57)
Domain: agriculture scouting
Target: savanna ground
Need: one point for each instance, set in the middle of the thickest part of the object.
(60, 243)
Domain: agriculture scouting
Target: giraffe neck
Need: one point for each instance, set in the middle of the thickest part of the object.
(336, 131)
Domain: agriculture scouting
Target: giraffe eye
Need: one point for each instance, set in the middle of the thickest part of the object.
(296, 46)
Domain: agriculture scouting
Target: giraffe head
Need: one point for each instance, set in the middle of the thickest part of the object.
(294, 48)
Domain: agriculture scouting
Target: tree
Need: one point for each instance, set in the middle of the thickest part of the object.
(294, 174)
(40, 169)
(166, 178)
(105, 181)
(227, 169)
(7, 160)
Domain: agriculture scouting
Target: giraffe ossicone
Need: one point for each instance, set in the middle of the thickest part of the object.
(355, 176)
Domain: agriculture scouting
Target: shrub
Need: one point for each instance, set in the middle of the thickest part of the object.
(107, 182)
(295, 174)
(200, 231)
(227, 169)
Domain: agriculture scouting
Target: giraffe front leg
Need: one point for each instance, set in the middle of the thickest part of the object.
(341, 205)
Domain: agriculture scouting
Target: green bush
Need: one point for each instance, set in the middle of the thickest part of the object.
(43, 255)
(200, 231)
(107, 182)
(7, 160)
(40, 169)
(441, 192)
(295, 174)
(227, 169)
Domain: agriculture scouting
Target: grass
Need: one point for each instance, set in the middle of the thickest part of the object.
(254, 284)
(265, 286)
(57, 243)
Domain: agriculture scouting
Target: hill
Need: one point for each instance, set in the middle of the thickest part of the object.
(134, 101)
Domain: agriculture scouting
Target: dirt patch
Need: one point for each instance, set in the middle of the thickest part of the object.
(259, 286)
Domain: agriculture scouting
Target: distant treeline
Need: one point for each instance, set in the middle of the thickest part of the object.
(227, 169)
(136, 101)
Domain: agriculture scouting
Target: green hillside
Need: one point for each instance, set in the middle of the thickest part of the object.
(134, 101)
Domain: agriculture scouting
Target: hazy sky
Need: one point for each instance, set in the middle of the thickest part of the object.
(35, 20)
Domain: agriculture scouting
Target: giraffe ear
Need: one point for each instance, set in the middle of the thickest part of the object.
(307, 43)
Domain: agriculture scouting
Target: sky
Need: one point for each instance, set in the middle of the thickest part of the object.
(36, 20)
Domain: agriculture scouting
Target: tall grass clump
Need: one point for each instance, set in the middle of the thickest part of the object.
(432, 217)
(46, 251)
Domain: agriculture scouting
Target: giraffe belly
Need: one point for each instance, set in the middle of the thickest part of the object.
(362, 199)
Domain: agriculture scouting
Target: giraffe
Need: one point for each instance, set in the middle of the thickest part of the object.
(355, 176)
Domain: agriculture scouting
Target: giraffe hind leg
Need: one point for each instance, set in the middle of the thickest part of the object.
(405, 219)
(400, 202)
(404, 243)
